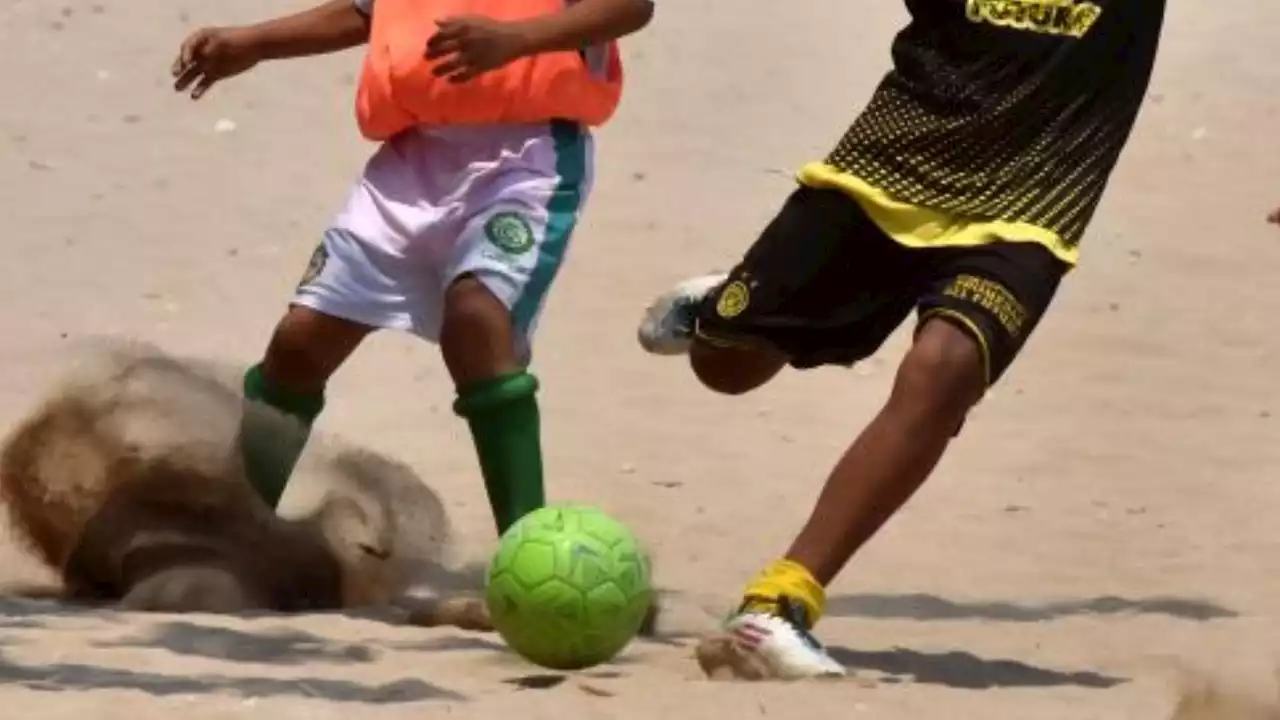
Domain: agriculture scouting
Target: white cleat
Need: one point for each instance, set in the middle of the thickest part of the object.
(668, 324)
(765, 646)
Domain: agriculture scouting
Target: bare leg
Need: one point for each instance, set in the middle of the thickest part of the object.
(497, 396)
(940, 379)
(477, 339)
(733, 370)
(306, 348)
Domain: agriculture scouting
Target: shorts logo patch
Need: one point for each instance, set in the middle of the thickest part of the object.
(509, 232)
(992, 297)
(314, 266)
(734, 299)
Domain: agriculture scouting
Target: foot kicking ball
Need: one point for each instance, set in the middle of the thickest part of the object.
(569, 587)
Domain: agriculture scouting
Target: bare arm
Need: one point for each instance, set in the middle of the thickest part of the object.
(210, 55)
(468, 46)
(589, 22)
(333, 26)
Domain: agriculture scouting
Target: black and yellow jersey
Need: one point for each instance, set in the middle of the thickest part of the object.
(1001, 119)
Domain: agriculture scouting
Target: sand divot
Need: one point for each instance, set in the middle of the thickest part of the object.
(722, 661)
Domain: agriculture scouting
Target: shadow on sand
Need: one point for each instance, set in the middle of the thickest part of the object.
(62, 677)
(966, 671)
(278, 646)
(933, 608)
(275, 647)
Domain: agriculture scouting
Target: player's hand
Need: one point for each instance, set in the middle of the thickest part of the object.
(468, 46)
(213, 54)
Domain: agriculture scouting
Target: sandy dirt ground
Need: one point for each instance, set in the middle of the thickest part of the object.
(1105, 526)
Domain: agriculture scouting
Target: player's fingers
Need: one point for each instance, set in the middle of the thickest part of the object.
(190, 49)
(188, 75)
(443, 49)
(449, 67)
(446, 46)
(445, 40)
(206, 81)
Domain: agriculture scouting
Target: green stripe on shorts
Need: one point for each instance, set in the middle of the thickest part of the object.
(562, 209)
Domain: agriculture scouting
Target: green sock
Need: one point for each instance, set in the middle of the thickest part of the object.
(505, 426)
(271, 449)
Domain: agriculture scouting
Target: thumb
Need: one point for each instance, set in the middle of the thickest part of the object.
(445, 38)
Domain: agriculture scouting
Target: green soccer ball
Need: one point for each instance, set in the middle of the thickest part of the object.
(569, 587)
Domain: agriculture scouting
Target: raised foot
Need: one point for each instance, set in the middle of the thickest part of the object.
(668, 324)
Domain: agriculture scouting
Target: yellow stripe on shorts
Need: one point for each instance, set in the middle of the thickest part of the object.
(919, 227)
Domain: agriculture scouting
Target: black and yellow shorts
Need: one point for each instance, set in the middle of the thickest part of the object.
(825, 286)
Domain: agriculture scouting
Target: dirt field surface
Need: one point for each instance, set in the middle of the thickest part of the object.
(1102, 536)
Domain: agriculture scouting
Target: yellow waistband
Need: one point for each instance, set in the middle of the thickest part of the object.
(915, 226)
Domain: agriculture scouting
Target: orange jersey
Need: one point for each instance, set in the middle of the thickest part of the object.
(398, 89)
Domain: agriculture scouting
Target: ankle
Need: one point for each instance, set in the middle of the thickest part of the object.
(786, 581)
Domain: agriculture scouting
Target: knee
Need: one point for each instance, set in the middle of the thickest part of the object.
(477, 336)
(943, 375)
(307, 348)
(714, 377)
(291, 358)
(733, 371)
(471, 309)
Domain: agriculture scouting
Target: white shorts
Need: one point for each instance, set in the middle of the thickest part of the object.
(496, 202)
